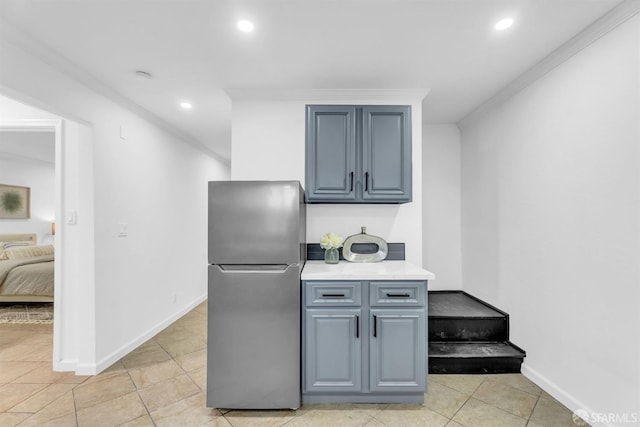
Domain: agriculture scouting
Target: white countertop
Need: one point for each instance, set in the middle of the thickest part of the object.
(384, 270)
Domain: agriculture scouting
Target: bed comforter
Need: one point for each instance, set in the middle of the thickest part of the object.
(27, 276)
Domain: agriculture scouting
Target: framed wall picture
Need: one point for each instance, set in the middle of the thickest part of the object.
(15, 202)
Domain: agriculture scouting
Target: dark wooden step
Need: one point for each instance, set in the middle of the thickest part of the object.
(458, 316)
(474, 357)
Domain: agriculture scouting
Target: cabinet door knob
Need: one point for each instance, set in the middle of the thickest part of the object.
(366, 181)
(351, 181)
(357, 326)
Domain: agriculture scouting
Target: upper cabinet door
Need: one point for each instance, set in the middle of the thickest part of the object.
(386, 152)
(331, 153)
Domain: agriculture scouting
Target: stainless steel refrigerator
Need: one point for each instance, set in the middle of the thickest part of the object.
(257, 248)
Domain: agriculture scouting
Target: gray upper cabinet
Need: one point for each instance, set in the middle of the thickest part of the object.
(358, 154)
(386, 153)
(331, 153)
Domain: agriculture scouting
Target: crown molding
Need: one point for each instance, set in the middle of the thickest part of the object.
(10, 34)
(599, 28)
(329, 95)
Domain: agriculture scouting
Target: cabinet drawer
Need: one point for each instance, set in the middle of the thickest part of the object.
(398, 294)
(333, 293)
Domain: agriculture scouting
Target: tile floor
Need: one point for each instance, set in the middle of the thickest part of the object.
(162, 383)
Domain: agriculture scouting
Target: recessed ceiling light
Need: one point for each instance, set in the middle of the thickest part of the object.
(245, 26)
(503, 24)
(186, 105)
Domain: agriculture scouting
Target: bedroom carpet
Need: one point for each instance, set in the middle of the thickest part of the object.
(27, 313)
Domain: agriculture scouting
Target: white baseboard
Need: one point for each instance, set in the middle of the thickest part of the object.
(558, 393)
(101, 365)
(65, 365)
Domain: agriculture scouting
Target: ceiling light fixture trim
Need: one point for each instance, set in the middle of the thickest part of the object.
(245, 25)
(503, 24)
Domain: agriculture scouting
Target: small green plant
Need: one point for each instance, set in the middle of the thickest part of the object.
(11, 201)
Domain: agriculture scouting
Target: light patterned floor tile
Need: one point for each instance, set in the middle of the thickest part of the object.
(512, 400)
(189, 411)
(90, 394)
(59, 412)
(518, 381)
(192, 361)
(444, 400)
(398, 415)
(199, 376)
(112, 412)
(11, 420)
(167, 392)
(374, 423)
(143, 421)
(185, 346)
(9, 371)
(27, 353)
(550, 413)
(150, 354)
(466, 384)
(43, 374)
(12, 394)
(263, 418)
(42, 398)
(367, 408)
(171, 333)
(152, 374)
(475, 413)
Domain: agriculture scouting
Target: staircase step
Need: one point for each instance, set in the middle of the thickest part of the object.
(474, 357)
(458, 316)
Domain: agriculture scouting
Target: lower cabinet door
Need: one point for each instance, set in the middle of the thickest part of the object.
(333, 350)
(398, 350)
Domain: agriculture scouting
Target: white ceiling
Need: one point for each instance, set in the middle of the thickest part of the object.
(194, 51)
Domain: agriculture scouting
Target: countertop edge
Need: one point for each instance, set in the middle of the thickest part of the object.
(344, 270)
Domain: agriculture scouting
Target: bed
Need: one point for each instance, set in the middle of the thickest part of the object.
(28, 275)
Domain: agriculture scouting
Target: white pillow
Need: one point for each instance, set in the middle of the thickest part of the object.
(17, 252)
(18, 243)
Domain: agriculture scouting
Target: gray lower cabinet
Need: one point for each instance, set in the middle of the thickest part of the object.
(397, 348)
(358, 154)
(333, 349)
(364, 341)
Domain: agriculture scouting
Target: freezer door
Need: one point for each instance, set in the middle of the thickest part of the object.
(253, 355)
(256, 222)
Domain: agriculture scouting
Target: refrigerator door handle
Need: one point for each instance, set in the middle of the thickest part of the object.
(253, 268)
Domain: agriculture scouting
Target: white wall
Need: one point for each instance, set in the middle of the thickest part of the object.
(441, 224)
(268, 142)
(39, 176)
(152, 180)
(551, 222)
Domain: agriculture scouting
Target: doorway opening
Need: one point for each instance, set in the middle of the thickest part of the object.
(30, 206)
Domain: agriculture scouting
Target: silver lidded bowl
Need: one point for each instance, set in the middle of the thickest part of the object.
(364, 239)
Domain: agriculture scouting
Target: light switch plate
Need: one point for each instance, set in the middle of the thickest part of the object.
(71, 217)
